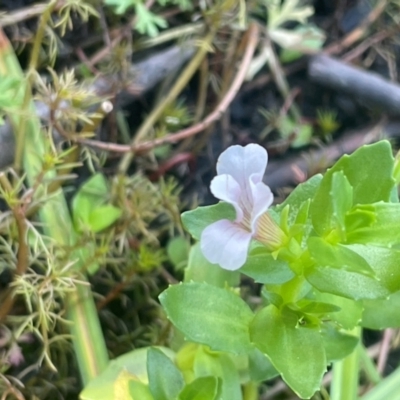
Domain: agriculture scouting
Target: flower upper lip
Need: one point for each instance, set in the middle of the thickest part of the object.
(239, 182)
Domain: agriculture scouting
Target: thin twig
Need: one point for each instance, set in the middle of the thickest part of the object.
(384, 350)
(359, 32)
(366, 44)
(22, 14)
(173, 93)
(124, 32)
(253, 35)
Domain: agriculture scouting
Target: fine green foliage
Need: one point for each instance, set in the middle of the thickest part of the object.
(148, 23)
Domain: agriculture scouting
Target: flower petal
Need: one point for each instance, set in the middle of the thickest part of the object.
(225, 243)
(225, 188)
(243, 163)
(262, 199)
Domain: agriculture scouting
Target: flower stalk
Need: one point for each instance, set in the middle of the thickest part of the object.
(346, 375)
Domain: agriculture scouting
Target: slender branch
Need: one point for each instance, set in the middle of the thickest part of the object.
(22, 14)
(385, 349)
(345, 378)
(193, 130)
(171, 96)
(358, 32)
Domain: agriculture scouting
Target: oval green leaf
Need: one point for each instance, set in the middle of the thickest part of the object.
(209, 315)
(203, 388)
(165, 379)
(297, 353)
(102, 217)
(196, 220)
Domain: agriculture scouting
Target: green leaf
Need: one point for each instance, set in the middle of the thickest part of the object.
(297, 353)
(263, 268)
(299, 134)
(337, 345)
(290, 10)
(165, 379)
(379, 224)
(382, 314)
(123, 388)
(103, 217)
(368, 170)
(220, 365)
(317, 307)
(147, 23)
(345, 283)
(90, 195)
(134, 363)
(384, 262)
(11, 93)
(260, 367)
(120, 5)
(270, 295)
(178, 252)
(209, 315)
(338, 256)
(196, 220)
(199, 269)
(138, 391)
(203, 388)
(311, 39)
(350, 311)
(342, 199)
(299, 195)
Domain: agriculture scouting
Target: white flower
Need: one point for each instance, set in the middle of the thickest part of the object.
(239, 182)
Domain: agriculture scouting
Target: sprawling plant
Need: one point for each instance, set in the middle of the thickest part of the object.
(327, 258)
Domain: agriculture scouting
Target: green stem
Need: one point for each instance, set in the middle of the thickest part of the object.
(368, 366)
(346, 375)
(20, 129)
(88, 339)
(37, 44)
(250, 391)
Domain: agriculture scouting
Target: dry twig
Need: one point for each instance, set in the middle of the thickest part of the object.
(253, 35)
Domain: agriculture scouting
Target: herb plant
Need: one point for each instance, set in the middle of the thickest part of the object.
(327, 258)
